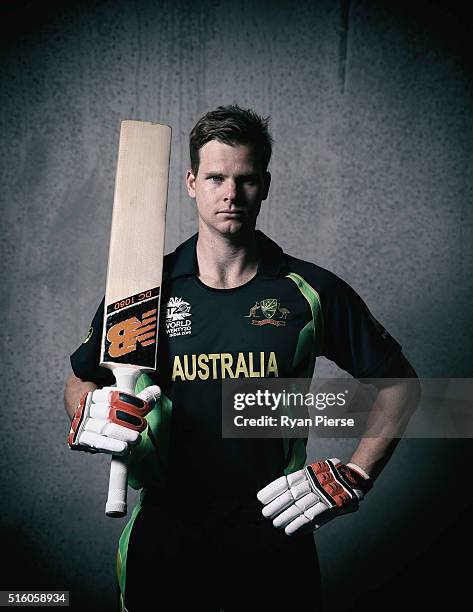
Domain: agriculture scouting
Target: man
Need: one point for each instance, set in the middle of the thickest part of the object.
(198, 536)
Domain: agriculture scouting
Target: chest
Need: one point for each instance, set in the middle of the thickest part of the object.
(244, 332)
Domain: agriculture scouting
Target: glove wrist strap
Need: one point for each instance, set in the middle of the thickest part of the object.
(358, 469)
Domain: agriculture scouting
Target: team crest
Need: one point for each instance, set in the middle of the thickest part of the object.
(268, 312)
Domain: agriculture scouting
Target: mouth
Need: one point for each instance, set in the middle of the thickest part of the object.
(231, 213)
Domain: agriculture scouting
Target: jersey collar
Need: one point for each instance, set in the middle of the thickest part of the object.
(183, 262)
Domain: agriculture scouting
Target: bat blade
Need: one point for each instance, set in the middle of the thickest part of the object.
(132, 296)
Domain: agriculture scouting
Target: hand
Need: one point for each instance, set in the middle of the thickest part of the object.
(108, 420)
(313, 496)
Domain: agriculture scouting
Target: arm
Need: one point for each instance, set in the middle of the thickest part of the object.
(397, 399)
(75, 389)
(311, 497)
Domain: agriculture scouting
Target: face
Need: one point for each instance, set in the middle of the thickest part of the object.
(228, 189)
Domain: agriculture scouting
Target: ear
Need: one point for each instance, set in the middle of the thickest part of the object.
(190, 184)
(267, 182)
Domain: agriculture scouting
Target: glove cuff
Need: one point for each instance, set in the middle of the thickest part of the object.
(363, 481)
(358, 469)
(78, 420)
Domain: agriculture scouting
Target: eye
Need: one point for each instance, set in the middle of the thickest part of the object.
(251, 180)
(216, 178)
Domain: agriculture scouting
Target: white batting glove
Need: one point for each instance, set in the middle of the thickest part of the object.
(109, 420)
(313, 496)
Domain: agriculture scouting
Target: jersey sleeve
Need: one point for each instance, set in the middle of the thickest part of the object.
(85, 360)
(353, 338)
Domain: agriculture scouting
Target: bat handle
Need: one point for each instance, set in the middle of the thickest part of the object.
(117, 487)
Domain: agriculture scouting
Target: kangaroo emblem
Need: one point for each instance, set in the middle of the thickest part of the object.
(253, 310)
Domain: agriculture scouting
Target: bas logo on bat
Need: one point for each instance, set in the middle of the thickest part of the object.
(124, 336)
(132, 326)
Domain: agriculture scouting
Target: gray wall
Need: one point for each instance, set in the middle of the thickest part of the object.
(371, 107)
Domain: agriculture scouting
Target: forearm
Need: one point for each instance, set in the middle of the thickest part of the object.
(388, 419)
(75, 388)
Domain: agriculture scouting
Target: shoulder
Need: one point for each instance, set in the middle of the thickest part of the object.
(325, 282)
(305, 273)
(311, 271)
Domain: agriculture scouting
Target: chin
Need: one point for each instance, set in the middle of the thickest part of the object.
(234, 228)
(231, 227)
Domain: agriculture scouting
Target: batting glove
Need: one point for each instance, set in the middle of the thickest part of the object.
(315, 495)
(108, 420)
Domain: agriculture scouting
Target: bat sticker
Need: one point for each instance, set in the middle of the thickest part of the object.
(131, 330)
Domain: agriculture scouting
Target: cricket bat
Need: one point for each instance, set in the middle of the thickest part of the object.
(135, 262)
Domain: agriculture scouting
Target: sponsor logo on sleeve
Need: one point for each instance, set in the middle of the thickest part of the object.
(381, 330)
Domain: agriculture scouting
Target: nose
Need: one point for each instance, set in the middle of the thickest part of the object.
(231, 191)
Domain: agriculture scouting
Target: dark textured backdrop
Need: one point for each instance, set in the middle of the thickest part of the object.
(371, 107)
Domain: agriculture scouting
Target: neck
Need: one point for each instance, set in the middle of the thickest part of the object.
(226, 262)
